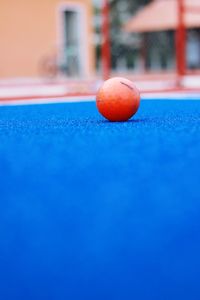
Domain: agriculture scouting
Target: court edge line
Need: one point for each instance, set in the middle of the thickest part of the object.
(82, 99)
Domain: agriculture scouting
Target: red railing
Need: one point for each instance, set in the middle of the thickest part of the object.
(106, 51)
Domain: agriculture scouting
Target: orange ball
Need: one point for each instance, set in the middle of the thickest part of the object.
(118, 99)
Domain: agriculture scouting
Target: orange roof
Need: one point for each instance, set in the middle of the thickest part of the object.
(162, 15)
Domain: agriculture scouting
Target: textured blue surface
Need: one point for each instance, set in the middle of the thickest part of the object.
(96, 210)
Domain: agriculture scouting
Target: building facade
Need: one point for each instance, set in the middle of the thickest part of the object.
(46, 38)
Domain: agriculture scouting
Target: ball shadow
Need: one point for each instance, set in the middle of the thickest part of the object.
(122, 122)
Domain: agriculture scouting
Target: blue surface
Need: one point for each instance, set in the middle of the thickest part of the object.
(97, 210)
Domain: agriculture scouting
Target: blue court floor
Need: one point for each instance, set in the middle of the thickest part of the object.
(92, 210)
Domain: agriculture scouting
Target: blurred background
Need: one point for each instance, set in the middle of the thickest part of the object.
(57, 48)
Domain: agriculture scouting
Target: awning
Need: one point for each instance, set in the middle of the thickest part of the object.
(161, 15)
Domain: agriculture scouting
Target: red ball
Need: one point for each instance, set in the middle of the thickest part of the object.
(118, 99)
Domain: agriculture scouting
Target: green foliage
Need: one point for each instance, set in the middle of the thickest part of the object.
(122, 47)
